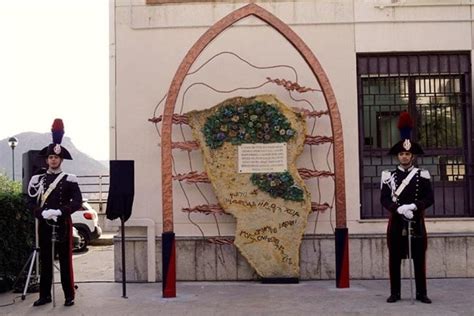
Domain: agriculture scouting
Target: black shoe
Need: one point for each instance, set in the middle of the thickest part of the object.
(42, 301)
(69, 302)
(393, 298)
(423, 298)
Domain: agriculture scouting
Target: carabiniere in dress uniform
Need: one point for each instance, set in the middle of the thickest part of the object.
(53, 196)
(406, 192)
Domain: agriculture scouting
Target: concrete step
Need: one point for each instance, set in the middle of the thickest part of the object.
(107, 238)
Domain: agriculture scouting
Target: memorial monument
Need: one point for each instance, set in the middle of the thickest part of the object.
(250, 147)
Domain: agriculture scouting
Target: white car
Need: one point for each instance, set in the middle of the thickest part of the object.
(86, 221)
(76, 239)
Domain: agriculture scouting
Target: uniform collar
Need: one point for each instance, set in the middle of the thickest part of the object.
(55, 171)
(407, 170)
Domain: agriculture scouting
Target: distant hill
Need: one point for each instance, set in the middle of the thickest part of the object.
(82, 164)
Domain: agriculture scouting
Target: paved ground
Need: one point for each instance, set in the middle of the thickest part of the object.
(98, 295)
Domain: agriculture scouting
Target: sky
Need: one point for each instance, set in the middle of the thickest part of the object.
(54, 63)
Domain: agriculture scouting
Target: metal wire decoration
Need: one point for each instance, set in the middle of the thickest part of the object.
(290, 88)
(194, 179)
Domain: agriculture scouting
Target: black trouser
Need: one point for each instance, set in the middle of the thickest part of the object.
(419, 263)
(64, 249)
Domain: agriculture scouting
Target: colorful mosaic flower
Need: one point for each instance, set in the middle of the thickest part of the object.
(278, 185)
(257, 122)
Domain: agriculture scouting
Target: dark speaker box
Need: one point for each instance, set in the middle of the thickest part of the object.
(121, 189)
(32, 164)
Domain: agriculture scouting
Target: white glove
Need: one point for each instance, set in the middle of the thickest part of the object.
(46, 214)
(408, 214)
(405, 210)
(406, 207)
(56, 212)
(401, 209)
(51, 214)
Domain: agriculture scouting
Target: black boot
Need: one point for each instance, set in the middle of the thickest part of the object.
(69, 302)
(42, 301)
(393, 298)
(423, 298)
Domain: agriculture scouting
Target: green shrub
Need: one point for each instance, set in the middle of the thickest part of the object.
(7, 185)
(16, 232)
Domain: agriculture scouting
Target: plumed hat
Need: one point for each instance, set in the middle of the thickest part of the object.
(55, 148)
(405, 125)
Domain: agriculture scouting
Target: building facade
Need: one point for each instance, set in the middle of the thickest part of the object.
(381, 57)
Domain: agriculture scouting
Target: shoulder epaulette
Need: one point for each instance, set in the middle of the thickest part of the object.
(71, 177)
(386, 174)
(425, 174)
(36, 178)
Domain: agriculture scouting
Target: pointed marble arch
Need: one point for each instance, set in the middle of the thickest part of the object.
(314, 65)
(336, 125)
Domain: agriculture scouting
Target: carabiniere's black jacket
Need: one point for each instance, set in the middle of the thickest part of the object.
(418, 191)
(65, 197)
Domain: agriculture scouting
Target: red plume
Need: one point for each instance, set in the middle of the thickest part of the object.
(405, 120)
(405, 125)
(57, 130)
(57, 125)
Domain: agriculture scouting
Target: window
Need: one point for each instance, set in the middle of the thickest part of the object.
(435, 89)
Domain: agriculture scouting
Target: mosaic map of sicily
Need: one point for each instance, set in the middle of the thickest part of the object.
(250, 147)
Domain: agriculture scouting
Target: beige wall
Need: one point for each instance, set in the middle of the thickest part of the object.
(149, 42)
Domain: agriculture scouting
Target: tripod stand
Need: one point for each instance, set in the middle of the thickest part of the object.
(32, 260)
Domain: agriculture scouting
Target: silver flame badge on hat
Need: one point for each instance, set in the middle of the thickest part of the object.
(57, 149)
(407, 144)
